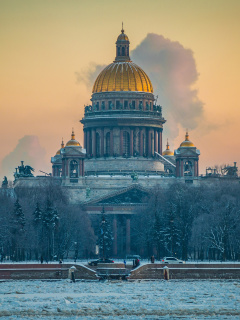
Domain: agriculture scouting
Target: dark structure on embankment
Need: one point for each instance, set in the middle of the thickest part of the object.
(145, 272)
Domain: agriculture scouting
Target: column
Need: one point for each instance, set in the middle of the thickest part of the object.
(63, 168)
(85, 139)
(149, 143)
(111, 142)
(80, 167)
(131, 142)
(141, 142)
(83, 167)
(159, 142)
(94, 142)
(66, 167)
(115, 236)
(102, 142)
(128, 236)
(181, 170)
(155, 141)
(121, 142)
(88, 141)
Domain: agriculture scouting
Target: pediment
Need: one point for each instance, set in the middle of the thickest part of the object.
(132, 195)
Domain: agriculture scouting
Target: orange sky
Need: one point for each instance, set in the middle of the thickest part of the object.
(44, 43)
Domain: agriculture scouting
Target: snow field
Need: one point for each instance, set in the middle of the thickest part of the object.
(175, 299)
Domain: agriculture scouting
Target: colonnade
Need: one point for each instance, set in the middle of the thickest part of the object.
(123, 141)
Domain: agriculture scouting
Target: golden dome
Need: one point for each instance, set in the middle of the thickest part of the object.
(167, 152)
(187, 143)
(122, 76)
(73, 142)
(59, 151)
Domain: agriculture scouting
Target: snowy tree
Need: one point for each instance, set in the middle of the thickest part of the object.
(18, 232)
(18, 218)
(50, 222)
(37, 215)
(105, 238)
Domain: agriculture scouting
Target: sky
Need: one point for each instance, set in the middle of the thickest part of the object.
(52, 50)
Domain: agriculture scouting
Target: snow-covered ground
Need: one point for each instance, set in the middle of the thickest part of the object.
(175, 299)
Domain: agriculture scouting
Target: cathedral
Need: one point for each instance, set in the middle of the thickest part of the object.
(122, 159)
(123, 130)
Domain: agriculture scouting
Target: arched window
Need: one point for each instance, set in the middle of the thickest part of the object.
(97, 144)
(123, 51)
(73, 169)
(108, 144)
(188, 168)
(126, 143)
(119, 52)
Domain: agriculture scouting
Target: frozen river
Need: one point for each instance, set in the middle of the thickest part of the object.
(173, 299)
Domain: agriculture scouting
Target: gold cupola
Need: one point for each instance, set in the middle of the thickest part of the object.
(122, 74)
(59, 151)
(187, 142)
(167, 152)
(73, 142)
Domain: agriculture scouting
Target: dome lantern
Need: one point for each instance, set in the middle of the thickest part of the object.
(73, 142)
(122, 47)
(59, 151)
(167, 152)
(187, 142)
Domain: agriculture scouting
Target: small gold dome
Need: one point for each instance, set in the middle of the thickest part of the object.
(122, 76)
(122, 36)
(73, 142)
(167, 152)
(59, 151)
(187, 143)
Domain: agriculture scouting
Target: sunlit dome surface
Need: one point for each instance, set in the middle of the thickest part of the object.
(122, 76)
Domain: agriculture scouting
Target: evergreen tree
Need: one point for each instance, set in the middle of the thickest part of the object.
(171, 233)
(158, 235)
(18, 224)
(37, 215)
(18, 218)
(50, 219)
(105, 238)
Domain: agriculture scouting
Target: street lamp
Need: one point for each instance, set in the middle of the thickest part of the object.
(103, 231)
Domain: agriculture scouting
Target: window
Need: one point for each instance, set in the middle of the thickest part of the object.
(119, 52)
(125, 104)
(103, 105)
(188, 168)
(133, 104)
(117, 104)
(73, 169)
(126, 143)
(123, 51)
(110, 105)
(97, 106)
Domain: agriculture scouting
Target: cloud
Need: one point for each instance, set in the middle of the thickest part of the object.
(30, 151)
(89, 75)
(173, 72)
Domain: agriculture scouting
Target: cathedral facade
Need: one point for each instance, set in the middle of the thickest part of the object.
(122, 158)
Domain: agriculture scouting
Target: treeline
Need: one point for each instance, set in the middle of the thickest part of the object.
(182, 221)
(39, 224)
(190, 223)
